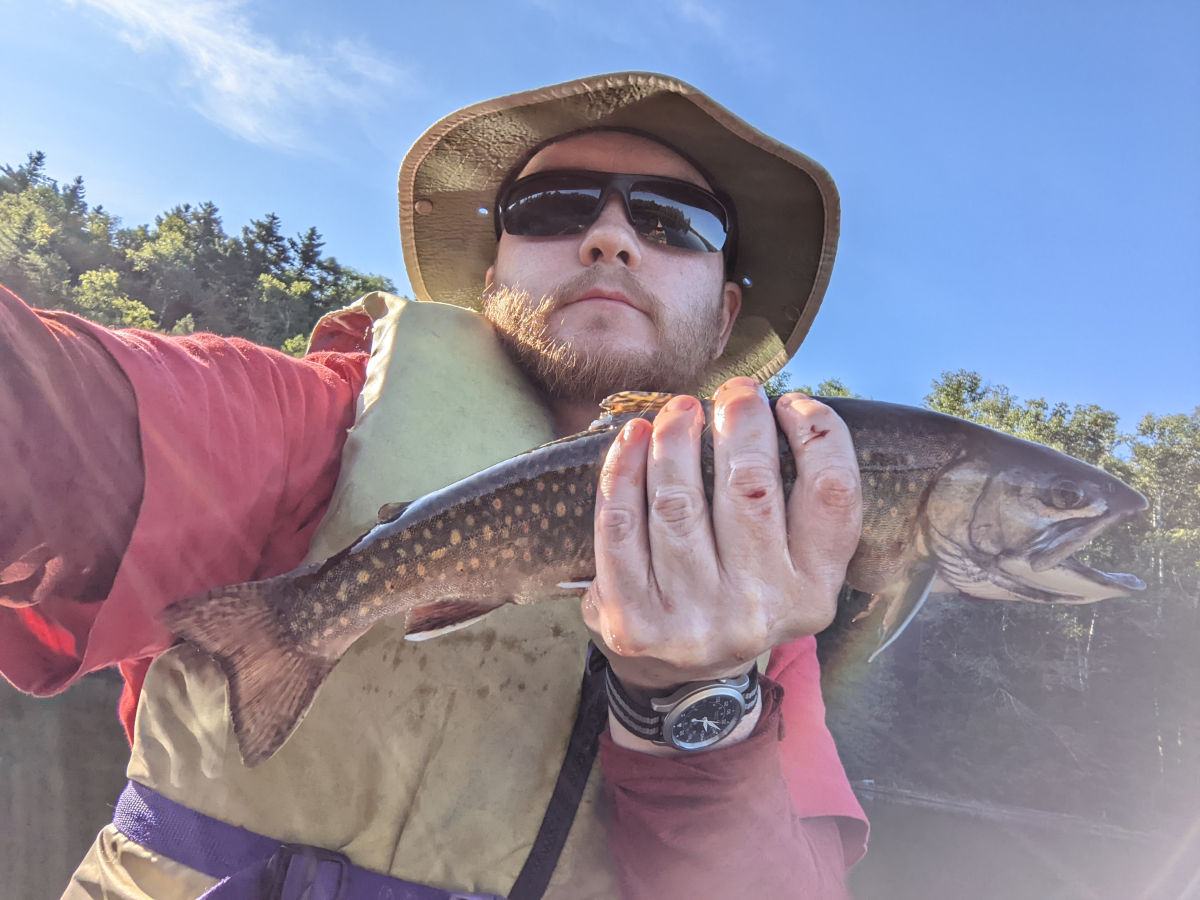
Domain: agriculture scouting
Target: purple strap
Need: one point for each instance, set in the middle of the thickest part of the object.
(252, 866)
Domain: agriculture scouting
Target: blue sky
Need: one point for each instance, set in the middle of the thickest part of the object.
(1020, 181)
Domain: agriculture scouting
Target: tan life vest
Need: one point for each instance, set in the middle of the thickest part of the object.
(430, 761)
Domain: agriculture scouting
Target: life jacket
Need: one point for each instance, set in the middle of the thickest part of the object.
(431, 761)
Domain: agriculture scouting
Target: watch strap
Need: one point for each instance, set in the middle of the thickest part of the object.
(639, 717)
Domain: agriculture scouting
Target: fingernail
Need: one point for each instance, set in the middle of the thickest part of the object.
(739, 381)
(682, 403)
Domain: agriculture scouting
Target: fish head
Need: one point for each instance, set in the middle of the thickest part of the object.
(1005, 524)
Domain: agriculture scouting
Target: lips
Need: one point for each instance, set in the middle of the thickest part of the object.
(605, 294)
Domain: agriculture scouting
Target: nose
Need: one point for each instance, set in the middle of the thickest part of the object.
(611, 238)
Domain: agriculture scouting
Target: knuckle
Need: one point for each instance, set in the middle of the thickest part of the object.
(617, 523)
(676, 506)
(837, 487)
(753, 476)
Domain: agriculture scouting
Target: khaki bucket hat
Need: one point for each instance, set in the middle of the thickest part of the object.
(787, 204)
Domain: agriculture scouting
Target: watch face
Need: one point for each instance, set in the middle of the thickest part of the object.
(705, 720)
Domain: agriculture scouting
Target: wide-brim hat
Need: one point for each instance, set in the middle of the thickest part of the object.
(787, 204)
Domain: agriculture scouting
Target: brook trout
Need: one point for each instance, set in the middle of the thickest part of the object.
(945, 502)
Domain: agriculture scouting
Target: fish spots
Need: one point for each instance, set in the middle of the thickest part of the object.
(554, 488)
(578, 511)
(527, 556)
(460, 567)
(378, 601)
(541, 485)
(894, 512)
(402, 569)
(492, 563)
(508, 553)
(439, 553)
(497, 503)
(519, 510)
(472, 544)
(363, 576)
(508, 521)
(377, 563)
(455, 537)
(519, 492)
(441, 576)
(487, 532)
(364, 611)
(560, 509)
(545, 524)
(470, 520)
(427, 534)
(474, 562)
(343, 621)
(420, 570)
(418, 549)
(406, 535)
(568, 543)
(535, 508)
(343, 591)
(571, 488)
(318, 607)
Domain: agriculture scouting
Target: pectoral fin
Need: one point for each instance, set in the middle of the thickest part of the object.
(903, 603)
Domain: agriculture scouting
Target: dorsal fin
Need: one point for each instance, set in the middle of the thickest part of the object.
(634, 402)
(390, 512)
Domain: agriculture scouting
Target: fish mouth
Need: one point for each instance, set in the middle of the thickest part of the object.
(1057, 542)
(1071, 581)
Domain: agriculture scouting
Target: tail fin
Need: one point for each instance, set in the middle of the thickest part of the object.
(272, 683)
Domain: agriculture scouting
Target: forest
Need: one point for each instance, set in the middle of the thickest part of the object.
(1085, 712)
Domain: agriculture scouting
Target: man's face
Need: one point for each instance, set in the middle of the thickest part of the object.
(593, 313)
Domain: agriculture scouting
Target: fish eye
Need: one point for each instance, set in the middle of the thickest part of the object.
(1066, 494)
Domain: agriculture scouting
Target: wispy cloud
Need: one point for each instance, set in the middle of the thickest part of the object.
(243, 80)
(708, 18)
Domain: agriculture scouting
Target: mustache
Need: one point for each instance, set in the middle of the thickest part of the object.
(620, 279)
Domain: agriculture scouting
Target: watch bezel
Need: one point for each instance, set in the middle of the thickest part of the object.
(675, 708)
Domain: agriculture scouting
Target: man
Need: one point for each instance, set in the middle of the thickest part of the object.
(608, 260)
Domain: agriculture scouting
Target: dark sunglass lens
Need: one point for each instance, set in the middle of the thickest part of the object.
(674, 216)
(548, 206)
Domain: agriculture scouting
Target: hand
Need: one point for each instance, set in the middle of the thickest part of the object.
(682, 595)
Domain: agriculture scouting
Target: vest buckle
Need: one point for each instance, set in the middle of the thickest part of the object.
(301, 872)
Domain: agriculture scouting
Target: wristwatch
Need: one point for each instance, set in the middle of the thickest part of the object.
(692, 716)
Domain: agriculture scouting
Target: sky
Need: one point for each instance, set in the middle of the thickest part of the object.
(1020, 181)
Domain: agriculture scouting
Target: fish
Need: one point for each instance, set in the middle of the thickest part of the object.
(947, 505)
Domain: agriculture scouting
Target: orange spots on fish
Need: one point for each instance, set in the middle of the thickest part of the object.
(455, 537)
(460, 566)
(487, 532)
(579, 511)
(318, 607)
(535, 508)
(363, 576)
(508, 553)
(571, 488)
(491, 563)
(470, 520)
(545, 524)
(343, 621)
(418, 549)
(427, 534)
(342, 591)
(589, 489)
(497, 503)
(527, 556)
(402, 554)
(402, 569)
(472, 544)
(554, 487)
(474, 562)
(364, 611)
(568, 543)
(441, 576)
(378, 601)
(439, 553)
(508, 520)
(541, 485)
(377, 562)
(520, 492)
(519, 510)
(406, 535)
(420, 570)
(387, 586)
(560, 509)
(894, 512)
(524, 528)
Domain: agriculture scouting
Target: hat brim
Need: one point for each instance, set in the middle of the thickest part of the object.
(787, 204)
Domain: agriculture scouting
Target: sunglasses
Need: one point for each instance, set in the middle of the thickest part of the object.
(668, 212)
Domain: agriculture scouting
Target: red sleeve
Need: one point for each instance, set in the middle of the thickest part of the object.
(771, 816)
(227, 465)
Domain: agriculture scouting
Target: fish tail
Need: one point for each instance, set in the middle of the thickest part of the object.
(272, 683)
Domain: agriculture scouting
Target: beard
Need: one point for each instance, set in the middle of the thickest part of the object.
(565, 370)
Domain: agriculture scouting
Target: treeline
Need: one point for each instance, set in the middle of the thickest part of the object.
(1090, 711)
(181, 274)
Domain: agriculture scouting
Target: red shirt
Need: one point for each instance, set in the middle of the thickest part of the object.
(139, 468)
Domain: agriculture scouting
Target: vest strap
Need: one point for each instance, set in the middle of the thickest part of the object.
(253, 866)
(582, 748)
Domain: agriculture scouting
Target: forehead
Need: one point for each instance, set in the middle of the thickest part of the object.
(614, 151)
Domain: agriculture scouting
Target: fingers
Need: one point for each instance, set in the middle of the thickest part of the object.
(824, 511)
(623, 576)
